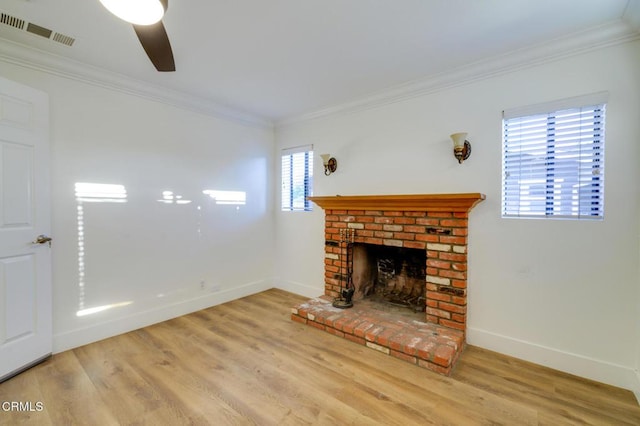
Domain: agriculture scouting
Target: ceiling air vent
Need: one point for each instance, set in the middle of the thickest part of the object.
(12, 21)
(38, 30)
(32, 28)
(64, 39)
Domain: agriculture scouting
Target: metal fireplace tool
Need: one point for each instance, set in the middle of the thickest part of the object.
(345, 299)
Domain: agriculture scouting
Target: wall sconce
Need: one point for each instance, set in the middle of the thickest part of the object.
(461, 146)
(330, 164)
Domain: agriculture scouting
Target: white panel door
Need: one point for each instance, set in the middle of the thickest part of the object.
(25, 258)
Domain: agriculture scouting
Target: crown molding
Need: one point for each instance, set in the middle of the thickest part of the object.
(39, 60)
(595, 38)
(632, 14)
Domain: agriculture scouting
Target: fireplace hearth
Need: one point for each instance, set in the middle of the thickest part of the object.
(436, 227)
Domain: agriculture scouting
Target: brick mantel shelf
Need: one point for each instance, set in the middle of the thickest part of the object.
(411, 202)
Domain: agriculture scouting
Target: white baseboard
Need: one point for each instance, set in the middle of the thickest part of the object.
(79, 337)
(590, 368)
(299, 288)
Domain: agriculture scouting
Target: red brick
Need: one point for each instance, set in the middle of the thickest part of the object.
(382, 219)
(459, 317)
(349, 326)
(434, 367)
(439, 296)
(455, 257)
(460, 231)
(440, 214)
(373, 226)
(316, 325)
(425, 349)
(404, 220)
(298, 319)
(439, 313)
(415, 214)
(452, 308)
(393, 213)
(453, 240)
(339, 323)
(355, 339)
(443, 356)
(430, 238)
(428, 221)
(364, 219)
(362, 328)
(451, 324)
(373, 212)
(459, 283)
(459, 266)
(331, 268)
(372, 333)
(334, 332)
(403, 356)
(383, 234)
(404, 236)
(383, 337)
(453, 274)
(456, 223)
(415, 244)
(459, 300)
(438, 264)
(356, 212)
(415, 229)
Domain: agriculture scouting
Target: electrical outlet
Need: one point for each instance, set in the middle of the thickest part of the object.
(202, 284)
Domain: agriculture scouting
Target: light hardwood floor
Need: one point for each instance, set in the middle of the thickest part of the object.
(246, 362)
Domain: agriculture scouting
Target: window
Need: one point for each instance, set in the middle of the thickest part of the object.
(553, 159)
(297, 178)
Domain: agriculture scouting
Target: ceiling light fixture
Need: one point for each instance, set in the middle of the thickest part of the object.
(138, 12)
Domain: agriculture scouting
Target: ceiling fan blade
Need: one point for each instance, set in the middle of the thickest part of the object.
(155, 42)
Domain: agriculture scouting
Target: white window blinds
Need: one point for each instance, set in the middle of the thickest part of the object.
(297, 178)
(553, 159)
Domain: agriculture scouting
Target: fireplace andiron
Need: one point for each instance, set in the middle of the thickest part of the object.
(345, 299)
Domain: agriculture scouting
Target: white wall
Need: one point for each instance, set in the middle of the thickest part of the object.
(152, 254)
(558, 293)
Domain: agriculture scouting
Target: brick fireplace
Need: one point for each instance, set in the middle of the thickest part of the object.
(436, 223)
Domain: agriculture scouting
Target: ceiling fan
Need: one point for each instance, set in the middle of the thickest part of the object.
(146, 17)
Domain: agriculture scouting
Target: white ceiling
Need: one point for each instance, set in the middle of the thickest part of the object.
(278, 59)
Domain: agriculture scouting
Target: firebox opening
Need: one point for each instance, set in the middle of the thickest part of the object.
(392, 276)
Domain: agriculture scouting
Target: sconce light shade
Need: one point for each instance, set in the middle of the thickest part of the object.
(461, 146)
(139, 12)
(330, 164)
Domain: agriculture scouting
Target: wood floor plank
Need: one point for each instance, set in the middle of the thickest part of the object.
(373, 370)
(246, 362)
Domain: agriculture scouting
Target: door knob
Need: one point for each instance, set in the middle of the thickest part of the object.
(42, 239)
